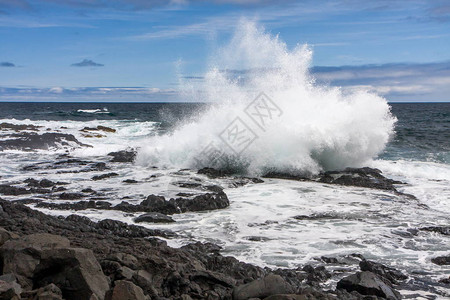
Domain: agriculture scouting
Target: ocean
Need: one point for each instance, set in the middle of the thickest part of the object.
(259, 226)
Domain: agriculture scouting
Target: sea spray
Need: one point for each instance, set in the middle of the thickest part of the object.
(316, 128)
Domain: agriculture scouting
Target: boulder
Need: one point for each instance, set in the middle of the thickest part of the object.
(126, 290)
(21, 256)
(261, 288)
(203, 202)
(390, 274)
(154, 217)
(368, 283)
(441, 260)
(8, 291)
(159, 204)
(48, 292)
(5, 235)
(103, 176)
(123, 156)
(445, 230)
(74, 270)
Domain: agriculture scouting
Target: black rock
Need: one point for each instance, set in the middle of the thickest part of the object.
(130, 181)
(213, 173)
(159, 204)
(123, 156)
(445, 230)
(71, 196)
(389, 273)
(317, 274)
(368, 283)
(203, 202)
(154, 217)
(20, 127)
(441, 260)
(103, 176)
(33, 141)
(13, 191)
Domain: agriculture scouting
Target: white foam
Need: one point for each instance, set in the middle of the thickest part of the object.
(320, 127)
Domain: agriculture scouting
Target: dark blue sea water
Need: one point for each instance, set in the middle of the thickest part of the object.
(421, 133)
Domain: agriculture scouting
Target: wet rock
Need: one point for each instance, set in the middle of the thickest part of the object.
(159, 204)
(389, 273)
(317, 274)
(71, 196)
(88, 190)
(214, 188)
(441, 260)
(123, 156)
(130, 181)
(368, 283)
(32, 141)
(203, 202)
(445, 230)
(13, 191)
(362, 177)
(18, 127)
(98, 128)
(213, 173)
(280, 175)
(445, 280)
(190, 185)
(104, 176)
(154, 217)
(100, 166)
(261, 288)
(126, 290)
(130, 231)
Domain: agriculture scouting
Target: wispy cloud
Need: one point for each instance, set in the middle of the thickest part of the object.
(7, 64)
(402, 81)
(87, 63)
(109, 94)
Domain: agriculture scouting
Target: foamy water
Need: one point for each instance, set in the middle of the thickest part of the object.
(316, 127)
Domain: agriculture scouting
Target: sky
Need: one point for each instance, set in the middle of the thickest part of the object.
(132, 50)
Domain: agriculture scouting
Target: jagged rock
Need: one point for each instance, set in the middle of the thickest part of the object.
(159, 204)
(130, 181)
(13, 191)
(103, 176)
(389, 273)
(261, 288)
(74, 270)
(21, 256)
(363, 177)
(98, 128)
(126, 290)
(203, 202)
(8, 291)
(33, 141)
(154, 217)
(317, 274)
(71, 196)
(123, 156)
(18, 127)
(368, 283)
(445, 230)
(5, 235)
(48, 292)
(213, 173)
(441, 260)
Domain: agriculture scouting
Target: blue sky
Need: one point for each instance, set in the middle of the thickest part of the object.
(131, 50)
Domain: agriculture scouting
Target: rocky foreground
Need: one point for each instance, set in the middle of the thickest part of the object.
(46, 257)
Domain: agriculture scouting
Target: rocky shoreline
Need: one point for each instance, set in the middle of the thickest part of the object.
(48, 257)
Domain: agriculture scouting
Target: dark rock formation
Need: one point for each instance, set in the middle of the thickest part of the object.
(123, 156)
(368, 283)
(270, 285)
(441, 260)
(389, 273)
(33, 141)
(104, 176)
(445, 230)
(154, 217)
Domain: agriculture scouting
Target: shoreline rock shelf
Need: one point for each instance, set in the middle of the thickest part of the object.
(75, 258)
